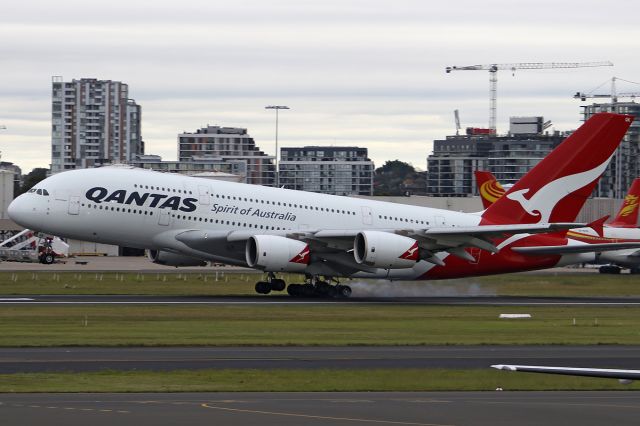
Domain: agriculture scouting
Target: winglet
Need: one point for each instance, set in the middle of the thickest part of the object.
(488, 187)
(628, 215)
(598, 225)
(556, 188)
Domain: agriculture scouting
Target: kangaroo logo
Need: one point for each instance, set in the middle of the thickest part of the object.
(412, 253)
(302, 257)
(543, 202)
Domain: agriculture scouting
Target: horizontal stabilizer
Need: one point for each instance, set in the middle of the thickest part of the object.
(583, 248)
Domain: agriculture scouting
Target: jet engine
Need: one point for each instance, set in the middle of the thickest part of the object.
(276, 254)
(171, 259)
(385, 250)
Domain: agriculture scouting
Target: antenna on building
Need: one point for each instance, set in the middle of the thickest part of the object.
(456, 115)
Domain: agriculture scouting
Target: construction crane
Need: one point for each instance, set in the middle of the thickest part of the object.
(456, 116)
(614, 95)
(493, 77)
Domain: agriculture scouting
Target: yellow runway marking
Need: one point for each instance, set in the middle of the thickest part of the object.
(309, 416)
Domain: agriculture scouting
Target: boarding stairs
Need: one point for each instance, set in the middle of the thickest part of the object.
(23, 247)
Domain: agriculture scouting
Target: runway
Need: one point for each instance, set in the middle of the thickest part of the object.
(280, 299)
(283, 409)
(15, 360)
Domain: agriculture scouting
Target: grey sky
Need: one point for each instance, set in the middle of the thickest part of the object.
(367, 73)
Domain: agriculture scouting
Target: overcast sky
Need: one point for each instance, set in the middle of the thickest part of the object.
(368, 73)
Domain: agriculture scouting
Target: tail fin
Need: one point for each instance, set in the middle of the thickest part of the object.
(489, 188)
(556, 188)
(628, 215)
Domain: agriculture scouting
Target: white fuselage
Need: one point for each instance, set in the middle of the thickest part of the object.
(109, 205)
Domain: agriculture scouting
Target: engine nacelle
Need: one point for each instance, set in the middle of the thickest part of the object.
(385, 250)
(276, 254)
(171, 259)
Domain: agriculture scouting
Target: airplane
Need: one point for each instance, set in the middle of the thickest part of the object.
(187, 221)
(624, 225)
(624, 376)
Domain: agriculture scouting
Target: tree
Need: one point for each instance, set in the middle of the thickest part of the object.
(33, 178)
(396, 178)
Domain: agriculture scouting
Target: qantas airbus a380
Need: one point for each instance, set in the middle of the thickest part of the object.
(185, 221)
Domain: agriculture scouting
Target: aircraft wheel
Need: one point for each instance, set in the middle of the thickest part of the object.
(263, 287)
(278, 284)
(47, 259)
(343, 291)
(609, 269)
(294, 289)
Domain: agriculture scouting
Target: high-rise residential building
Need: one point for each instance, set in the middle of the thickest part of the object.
(454, 159)
(228, 144)
(625, 164)
(93, 122)
(330, 170)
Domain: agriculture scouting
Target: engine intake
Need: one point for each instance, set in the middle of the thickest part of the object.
(171, 259)
(385, 250)
(276, 254)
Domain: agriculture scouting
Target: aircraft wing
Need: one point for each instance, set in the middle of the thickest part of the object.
(334, 245)
(582, 248)
(624, 376)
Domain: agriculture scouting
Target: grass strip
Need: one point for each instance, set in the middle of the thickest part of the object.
(229, 283)
(299, 381)
(237, 325)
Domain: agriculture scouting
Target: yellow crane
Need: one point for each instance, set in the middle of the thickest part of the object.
(493, 76)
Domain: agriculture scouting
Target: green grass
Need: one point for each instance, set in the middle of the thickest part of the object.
(226, 283)
(299, 381)
(115, 325)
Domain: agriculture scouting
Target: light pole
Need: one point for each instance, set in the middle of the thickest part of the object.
(277, 108)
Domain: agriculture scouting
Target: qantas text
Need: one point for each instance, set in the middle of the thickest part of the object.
(162, 201)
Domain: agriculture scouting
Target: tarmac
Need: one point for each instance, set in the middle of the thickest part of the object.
(83, 359)
(282, 299)
(336, 408)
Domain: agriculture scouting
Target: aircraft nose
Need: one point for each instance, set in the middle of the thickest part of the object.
(19, 211)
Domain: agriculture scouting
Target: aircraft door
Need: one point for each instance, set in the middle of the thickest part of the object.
(367, 216)
(204, 193)
(74, 204)
(163, 217)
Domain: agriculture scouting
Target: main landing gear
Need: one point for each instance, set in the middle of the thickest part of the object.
(272, 284)
(313, 287)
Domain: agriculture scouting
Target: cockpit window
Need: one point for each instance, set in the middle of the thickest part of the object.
(32, 190)
(45, 192)
(39, 192)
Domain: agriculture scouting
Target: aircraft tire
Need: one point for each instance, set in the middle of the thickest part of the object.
(278, 284)
(294, 290)
(47, 259)
(263, 287)
(343, 291)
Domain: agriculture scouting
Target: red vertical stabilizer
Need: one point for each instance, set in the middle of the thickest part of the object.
(556, 188)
